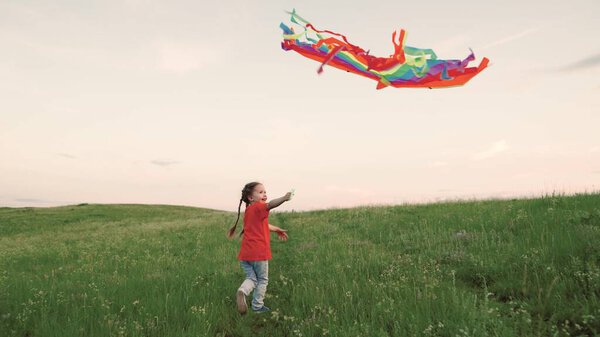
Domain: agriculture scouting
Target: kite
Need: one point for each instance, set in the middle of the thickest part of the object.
(407, 67)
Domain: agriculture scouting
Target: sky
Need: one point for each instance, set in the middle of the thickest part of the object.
(184, 102)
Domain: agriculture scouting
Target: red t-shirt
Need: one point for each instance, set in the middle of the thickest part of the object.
(256, 240)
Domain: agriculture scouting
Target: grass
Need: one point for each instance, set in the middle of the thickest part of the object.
(477, 268)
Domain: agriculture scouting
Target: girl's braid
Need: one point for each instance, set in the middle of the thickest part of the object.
(246, 192)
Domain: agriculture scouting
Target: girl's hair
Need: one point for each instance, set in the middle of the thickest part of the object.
(246, 192)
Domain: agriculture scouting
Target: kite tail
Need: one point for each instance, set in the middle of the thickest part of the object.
(331, 55)
(468, 59)
(399, 47)
(308, 25)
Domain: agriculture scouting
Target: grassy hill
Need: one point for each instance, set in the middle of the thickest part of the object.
(478, 268)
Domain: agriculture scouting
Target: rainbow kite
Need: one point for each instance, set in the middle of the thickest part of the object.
(407, 67)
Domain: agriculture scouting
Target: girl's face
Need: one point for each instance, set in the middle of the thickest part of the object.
(258, 194)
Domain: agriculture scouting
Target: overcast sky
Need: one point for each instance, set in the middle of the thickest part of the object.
(183, 102)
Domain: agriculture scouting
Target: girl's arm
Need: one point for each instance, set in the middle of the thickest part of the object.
(276, 202)
(281, 233)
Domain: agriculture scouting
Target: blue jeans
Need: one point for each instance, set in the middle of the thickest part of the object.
(257, 278)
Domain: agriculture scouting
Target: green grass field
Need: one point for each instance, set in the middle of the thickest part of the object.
(473, 268)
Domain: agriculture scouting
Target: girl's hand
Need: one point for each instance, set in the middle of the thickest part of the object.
(289, 195)
(282, 234)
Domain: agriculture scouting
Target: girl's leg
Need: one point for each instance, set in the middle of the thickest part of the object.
(261, 269)
(250, 282)
(247, 286)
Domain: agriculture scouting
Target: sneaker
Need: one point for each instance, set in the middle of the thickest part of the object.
(242, 307)
(261, 309)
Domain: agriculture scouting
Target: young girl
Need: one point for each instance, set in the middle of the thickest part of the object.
(255, 252)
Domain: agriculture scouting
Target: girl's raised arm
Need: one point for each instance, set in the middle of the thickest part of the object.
(276, 202)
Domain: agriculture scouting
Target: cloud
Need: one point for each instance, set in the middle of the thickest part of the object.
(164, 163)
(496, 148)
(511, 38)
(66, 155)
(349, 190)
(437, 164)
(586, 63)
(32, 201)
(544, 26)
(181, 58)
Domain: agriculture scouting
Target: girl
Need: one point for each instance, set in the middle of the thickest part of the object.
(255, 252)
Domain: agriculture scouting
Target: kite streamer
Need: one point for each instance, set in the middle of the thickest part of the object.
(407, 67)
